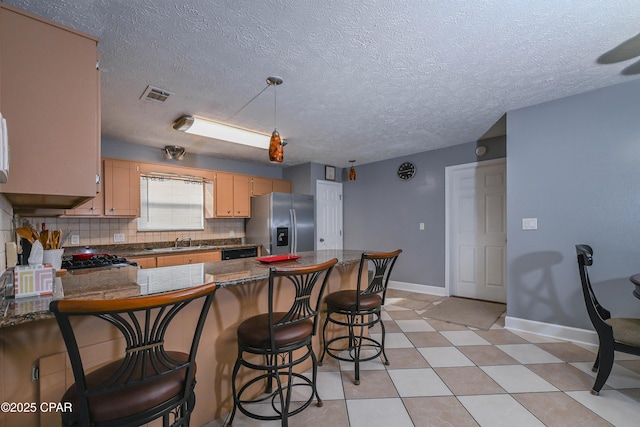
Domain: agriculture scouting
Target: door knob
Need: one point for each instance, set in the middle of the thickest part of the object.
(321, 239)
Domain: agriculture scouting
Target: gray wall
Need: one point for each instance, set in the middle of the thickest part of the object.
(122, 150)
(381, 212)
(299, 177)
(304, 176)
(573, 164)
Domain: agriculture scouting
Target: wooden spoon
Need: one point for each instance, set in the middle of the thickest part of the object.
(34, 233)
(44, 239)
(56, 243)
(25, 233)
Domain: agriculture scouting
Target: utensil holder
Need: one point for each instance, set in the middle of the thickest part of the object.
(53, 257)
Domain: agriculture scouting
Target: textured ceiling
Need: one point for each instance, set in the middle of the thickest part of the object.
(364, 80)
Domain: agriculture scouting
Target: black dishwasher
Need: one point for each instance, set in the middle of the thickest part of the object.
(235, 253)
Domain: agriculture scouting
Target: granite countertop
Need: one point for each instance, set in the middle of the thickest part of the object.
(122, 282)
(162, 248)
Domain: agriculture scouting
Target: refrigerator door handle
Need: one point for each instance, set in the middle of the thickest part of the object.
(294, 231)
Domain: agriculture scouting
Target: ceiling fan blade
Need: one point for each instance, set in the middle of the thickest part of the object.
(631, 69)
(624, 51)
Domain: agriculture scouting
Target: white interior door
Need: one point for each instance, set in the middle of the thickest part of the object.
(476, 244)
(329, 215)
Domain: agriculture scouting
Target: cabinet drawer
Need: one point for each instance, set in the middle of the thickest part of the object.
(146, 262)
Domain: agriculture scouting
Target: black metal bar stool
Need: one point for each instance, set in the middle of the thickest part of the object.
(148, 382)
(359, 309)
(276, 335)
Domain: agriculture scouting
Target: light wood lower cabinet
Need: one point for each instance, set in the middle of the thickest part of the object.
(146, 262)
(192, 258)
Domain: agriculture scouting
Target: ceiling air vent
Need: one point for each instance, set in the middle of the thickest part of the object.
(155, 94)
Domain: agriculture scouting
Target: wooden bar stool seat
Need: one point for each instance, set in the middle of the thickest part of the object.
(358, 310)
(283, 340)
(148, 381)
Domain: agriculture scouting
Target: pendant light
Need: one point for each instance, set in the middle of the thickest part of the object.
(352, 171)
(216, 130)
(276, 146)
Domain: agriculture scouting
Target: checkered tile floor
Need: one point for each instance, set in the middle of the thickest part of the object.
(442, 374)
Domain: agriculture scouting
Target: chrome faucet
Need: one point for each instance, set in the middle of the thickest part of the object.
(189, 239)
(176, 244)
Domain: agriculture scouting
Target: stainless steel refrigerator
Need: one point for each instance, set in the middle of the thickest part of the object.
(282, 223)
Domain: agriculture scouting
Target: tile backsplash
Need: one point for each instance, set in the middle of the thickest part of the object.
(101, 231)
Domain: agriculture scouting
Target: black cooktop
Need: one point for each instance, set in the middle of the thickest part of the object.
(96, 261)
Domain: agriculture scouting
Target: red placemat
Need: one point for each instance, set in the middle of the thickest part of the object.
(277, 258)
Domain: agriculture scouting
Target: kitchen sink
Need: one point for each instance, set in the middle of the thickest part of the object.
(180, 248)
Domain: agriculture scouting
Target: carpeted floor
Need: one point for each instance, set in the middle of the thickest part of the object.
(467, 312)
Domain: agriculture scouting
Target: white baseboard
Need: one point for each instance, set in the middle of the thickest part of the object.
(551, 330)
(415, 287)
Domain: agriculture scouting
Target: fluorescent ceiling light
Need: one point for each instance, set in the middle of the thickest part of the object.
(215, 130)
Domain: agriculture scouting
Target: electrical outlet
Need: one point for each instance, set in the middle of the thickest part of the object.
(232, 233)
(422, 226)
(75, 239)
(529, 223)
(118, 238)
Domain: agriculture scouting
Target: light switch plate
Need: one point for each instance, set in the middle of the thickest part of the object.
(422, 226)
(75, 239)
(118, 238)
(529, 223)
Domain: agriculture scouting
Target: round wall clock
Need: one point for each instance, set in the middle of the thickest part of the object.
(406, 171)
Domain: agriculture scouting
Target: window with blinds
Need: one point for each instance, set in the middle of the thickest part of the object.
(171, 203)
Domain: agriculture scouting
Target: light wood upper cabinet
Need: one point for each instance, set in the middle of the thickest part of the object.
(224, 195)
(261, 186)
(121, 188)
(232, 195)
(92, 207)
(50, 91)
(241, 196)
(281, 186)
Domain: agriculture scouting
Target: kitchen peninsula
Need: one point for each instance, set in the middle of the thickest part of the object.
(29, 335)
